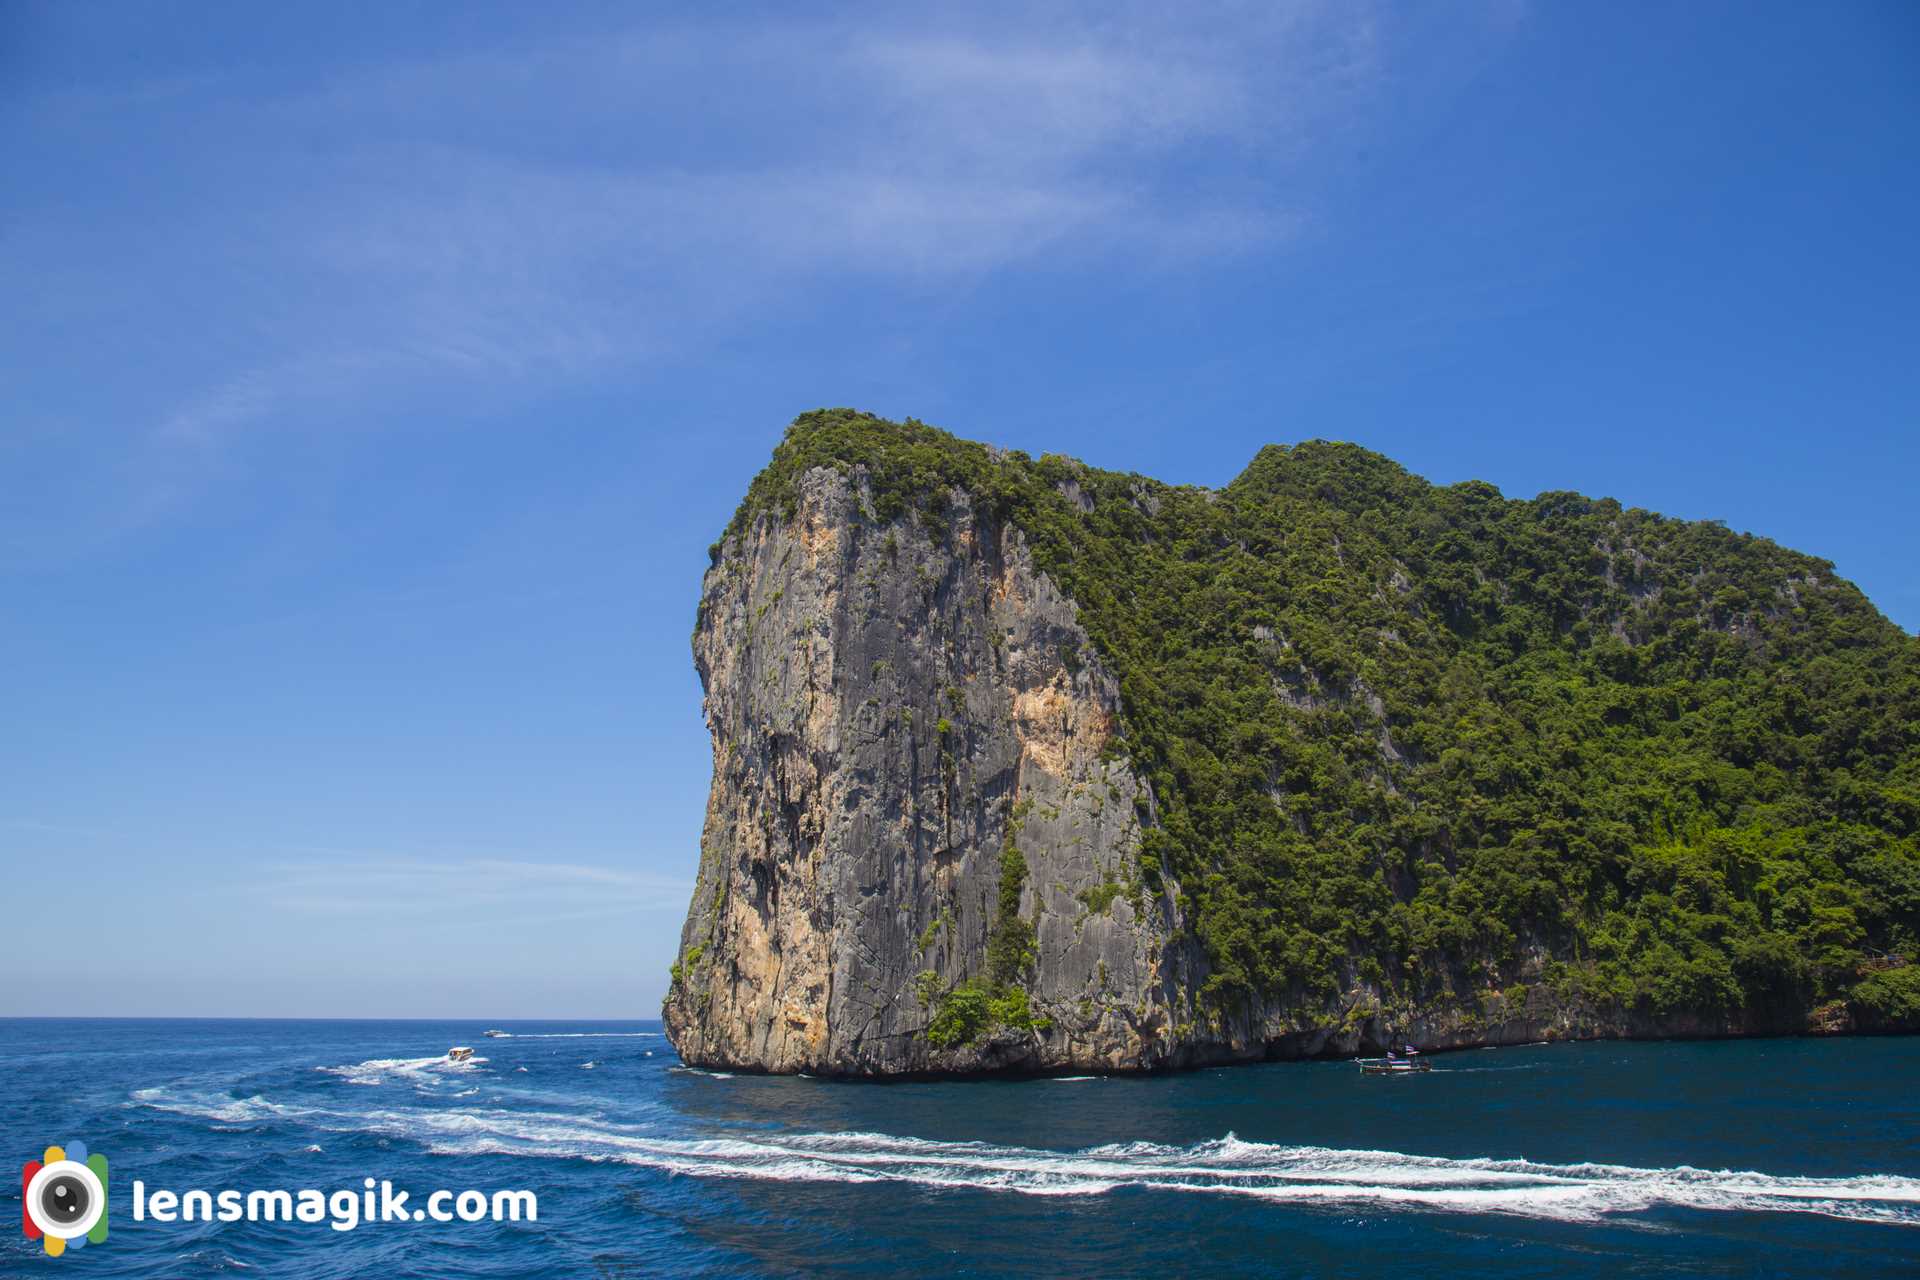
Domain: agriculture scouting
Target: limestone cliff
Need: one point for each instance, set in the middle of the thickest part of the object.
(890, 717)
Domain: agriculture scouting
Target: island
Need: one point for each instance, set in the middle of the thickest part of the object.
(1024, 766)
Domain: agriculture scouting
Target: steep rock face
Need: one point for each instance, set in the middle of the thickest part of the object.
(890, 717)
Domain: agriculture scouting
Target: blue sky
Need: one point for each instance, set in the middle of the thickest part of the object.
(378, 376)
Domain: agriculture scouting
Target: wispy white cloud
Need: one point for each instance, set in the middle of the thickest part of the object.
(539, 212)
(241, 399)
(492, 888)
(325, 881)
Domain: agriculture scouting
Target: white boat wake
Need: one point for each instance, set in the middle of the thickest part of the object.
(1228, 1166)
(382, 1070)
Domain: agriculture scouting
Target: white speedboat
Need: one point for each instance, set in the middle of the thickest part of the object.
(459, 1053)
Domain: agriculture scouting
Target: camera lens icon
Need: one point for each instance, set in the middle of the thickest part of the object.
(65, 1198)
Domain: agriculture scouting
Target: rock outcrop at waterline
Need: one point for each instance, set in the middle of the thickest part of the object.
(963, 821)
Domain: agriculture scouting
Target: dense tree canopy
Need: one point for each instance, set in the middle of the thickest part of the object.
(1431, 737)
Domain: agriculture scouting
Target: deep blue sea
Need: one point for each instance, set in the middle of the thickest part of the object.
(1780, 1157)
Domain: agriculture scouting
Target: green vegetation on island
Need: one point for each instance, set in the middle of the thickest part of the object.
(1427, 737)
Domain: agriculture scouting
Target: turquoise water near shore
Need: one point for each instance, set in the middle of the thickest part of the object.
(1774, 1157)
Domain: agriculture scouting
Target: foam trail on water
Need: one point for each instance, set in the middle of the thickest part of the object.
(217, 1106)
(381, 1070)
(1227, 1166)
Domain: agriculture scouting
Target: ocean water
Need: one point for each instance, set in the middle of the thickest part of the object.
(1783, 1157)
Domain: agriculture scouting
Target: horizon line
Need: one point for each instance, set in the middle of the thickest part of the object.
(243, 1017)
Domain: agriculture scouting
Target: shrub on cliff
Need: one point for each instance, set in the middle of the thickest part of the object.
(1888, 1000)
